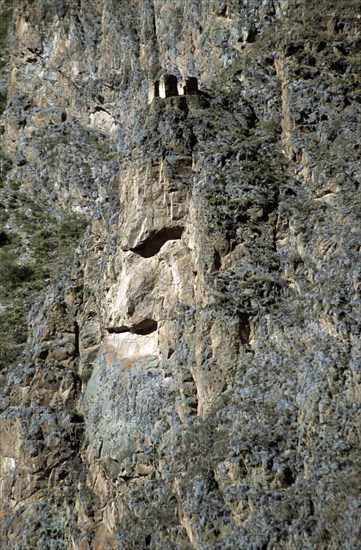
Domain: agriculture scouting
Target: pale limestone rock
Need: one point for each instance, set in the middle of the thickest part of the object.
(153, 90)
(128, 347)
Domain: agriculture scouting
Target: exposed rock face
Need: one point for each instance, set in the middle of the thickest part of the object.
(192, 376)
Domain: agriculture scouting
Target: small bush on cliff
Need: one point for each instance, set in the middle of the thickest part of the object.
(5, 19)
(13, 274)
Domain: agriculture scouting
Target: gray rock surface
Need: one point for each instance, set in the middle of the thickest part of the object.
(191, 271)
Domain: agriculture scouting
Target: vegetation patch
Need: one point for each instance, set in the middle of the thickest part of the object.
(32, 251)
(231, 196)
(5, 20)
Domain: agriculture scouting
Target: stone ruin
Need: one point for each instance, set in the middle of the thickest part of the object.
(168, 86)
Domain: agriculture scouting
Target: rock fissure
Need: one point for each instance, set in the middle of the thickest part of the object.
(156, 240)
(145, 327)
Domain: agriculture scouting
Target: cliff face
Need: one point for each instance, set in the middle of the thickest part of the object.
(191, 376)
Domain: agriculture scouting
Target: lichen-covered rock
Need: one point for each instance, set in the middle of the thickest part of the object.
(191, 377)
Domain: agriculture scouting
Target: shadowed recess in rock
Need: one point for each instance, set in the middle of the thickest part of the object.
(147, 326)
(244, 329)
(156, 240)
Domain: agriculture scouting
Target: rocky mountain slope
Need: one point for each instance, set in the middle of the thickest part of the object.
(180, 274)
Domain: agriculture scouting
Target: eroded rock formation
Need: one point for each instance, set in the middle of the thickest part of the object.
(191, 377)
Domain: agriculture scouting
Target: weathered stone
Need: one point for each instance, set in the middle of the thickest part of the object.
(153, 90)
(191, 377)
(188, 85)
(168, 86)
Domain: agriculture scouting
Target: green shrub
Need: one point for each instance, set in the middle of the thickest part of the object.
(13, 274)
(5, 19)
(86, 375)
(13, 332)
(71, 228)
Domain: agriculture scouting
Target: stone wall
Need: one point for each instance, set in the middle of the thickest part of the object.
(168, 86)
